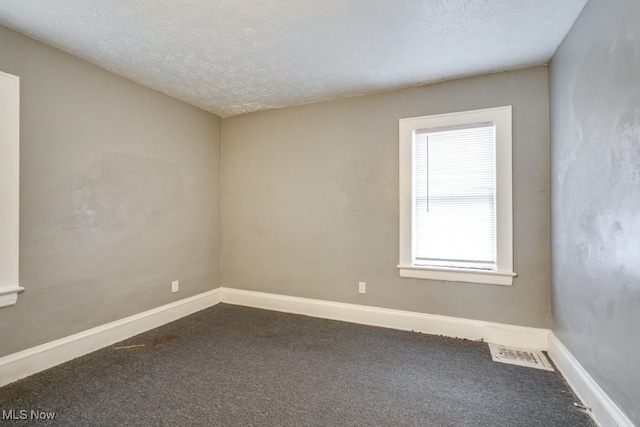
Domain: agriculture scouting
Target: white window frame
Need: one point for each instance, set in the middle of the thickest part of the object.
(503, 275)
(9, 188)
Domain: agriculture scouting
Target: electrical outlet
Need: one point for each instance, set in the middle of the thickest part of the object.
(362, 287)
(175, 286)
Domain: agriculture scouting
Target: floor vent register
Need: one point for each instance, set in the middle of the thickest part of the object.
(520, 356)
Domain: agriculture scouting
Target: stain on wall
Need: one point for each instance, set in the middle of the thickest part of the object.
(119, 196)
(365, 183)
(595, 122)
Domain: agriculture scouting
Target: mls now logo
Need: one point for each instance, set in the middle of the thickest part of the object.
(23, 414)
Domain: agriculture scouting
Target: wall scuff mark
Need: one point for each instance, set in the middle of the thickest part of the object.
(122, 194)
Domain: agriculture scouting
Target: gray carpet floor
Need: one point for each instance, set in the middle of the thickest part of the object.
(238, 366)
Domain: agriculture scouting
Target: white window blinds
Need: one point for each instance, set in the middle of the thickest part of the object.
(454, 197)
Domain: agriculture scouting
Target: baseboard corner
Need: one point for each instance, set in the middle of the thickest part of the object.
(475, 330)
(16, 366)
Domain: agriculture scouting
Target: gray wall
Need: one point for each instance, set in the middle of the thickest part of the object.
(595, 121)
(119, 196)
(310, 200)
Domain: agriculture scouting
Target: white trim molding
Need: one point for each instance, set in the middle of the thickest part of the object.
(604, 411)
(497, 333)
(487, 277)
(27, 362)
(503, 273)
(9, 188)
(501, 117)
(9, 295)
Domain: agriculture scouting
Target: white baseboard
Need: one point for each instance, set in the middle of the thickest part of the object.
(605, 412)
(497, 333)
(24, 363)
(603, 409)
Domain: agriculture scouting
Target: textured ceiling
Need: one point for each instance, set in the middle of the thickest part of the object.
(235, 56)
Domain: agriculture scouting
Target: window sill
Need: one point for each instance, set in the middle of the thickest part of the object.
(9, 296)
(503, 278)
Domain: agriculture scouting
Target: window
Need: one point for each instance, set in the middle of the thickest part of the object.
(455, 197)
(9, 187)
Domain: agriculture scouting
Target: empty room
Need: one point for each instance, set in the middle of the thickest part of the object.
(320, 213)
